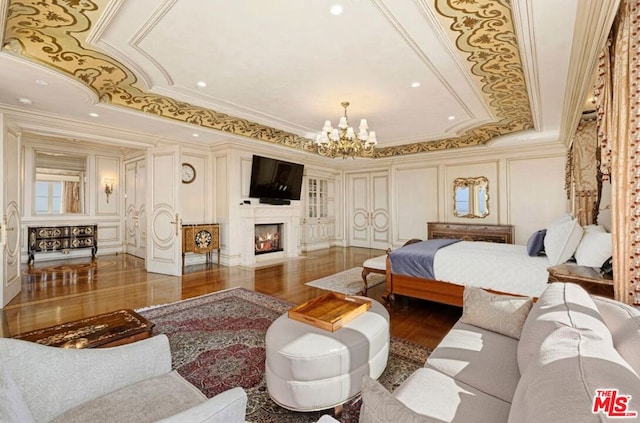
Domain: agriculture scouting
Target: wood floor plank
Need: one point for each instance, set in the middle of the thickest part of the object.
(114, 282)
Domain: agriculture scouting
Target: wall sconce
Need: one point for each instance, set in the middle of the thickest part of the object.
(108, 187)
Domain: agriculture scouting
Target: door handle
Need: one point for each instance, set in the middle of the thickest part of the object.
(177, 222)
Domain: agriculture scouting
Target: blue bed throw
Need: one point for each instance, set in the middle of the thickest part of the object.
(417, 259)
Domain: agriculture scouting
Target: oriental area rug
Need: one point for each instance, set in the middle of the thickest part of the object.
(348, 282)
(218, 342)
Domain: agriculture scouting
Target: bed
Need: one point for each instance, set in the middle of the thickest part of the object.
(490, 259)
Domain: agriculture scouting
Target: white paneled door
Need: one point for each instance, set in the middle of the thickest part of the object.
(368, 209)
(164, 232)
(9, 204)
(135, 210)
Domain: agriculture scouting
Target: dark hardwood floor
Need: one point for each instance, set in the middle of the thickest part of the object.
(55, 292)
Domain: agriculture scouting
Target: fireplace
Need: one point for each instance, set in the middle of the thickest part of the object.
(268, 238)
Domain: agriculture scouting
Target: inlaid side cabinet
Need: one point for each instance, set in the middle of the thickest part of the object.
(61, 238)
(201, 239)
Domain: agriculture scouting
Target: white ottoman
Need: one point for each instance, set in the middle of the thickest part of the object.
(310, 369)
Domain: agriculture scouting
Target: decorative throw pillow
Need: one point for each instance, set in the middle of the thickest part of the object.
(504, 314)
(535, 245)
(379, 406)
(594, 249)
(561, 241)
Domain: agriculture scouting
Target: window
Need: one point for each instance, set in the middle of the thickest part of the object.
(48, 197)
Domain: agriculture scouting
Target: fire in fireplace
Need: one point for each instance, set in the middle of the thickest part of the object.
(268, 238)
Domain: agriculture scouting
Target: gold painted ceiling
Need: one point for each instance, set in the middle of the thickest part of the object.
(54, 33)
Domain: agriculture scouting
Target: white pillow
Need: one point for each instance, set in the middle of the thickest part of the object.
(504, 314)
(594, 228)
(561, 241)
(594, 249)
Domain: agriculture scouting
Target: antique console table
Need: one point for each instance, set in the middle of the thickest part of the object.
(62, 238)
(201, 239)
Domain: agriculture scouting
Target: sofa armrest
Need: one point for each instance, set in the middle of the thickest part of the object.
(227, 407)
(53, 380)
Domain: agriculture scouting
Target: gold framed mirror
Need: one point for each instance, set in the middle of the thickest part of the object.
(471, 197)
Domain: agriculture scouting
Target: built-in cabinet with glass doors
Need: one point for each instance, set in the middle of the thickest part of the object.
(318, 223)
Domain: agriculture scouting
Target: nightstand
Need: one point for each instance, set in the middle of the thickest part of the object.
(589, 278)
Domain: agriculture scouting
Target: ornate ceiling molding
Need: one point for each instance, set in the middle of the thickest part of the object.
(54, 33)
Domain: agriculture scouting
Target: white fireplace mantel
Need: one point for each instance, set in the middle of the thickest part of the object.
(251, 215)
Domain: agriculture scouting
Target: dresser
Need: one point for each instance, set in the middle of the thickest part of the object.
(201, 239)
(471, 232)
(61, 238)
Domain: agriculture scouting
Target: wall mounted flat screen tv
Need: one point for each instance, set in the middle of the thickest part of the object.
(275, 179)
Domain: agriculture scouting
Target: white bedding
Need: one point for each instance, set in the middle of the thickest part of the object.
(502, 267)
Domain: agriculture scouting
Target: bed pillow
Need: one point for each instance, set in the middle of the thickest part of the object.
(594, 228)
(561, 241)
(504, 314)
(535, 245)
(594, 249)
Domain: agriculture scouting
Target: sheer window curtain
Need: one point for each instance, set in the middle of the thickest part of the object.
(618, 114)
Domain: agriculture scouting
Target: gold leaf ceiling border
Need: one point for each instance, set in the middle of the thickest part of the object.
(53, 32)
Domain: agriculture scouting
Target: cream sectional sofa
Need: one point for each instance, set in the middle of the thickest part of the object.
(570, 346)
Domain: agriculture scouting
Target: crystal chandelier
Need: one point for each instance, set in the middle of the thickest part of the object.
(343, 141)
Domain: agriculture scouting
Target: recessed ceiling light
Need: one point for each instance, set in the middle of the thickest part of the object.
(201, 84)
(336, 10)
(195, 135)
(24, 100)
(451, 117)
(41, 82)
(92, 114)
(415, 84)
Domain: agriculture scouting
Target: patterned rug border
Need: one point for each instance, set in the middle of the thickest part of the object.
(203, 298)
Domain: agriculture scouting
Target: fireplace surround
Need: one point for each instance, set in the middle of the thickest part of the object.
(288, 216)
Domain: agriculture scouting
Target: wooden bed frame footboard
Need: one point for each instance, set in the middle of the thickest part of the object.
(424, 289)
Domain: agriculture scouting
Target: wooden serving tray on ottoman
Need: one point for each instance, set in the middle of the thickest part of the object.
(103, 330)
(330, 311)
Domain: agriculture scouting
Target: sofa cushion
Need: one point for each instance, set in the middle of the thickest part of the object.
(561, 241)
(13, 407)
(504, 314)
(147, 401)
(560, 305)
(442, 398)
(572, 364)
(379, 406)
(476, 356)
(624, 323)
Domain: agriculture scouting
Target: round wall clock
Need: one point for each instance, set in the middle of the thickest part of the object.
(203, 239)
(188, 173)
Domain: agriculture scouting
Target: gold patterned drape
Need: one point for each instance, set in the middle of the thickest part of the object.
(618, 107)
(70, 197)
(583, 172)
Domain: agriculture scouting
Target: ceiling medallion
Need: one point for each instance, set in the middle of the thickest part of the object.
(343, 141)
